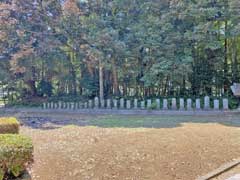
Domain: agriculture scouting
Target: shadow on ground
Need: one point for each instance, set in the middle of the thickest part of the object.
(53, 121)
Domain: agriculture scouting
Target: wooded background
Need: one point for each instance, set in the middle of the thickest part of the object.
(118, 48)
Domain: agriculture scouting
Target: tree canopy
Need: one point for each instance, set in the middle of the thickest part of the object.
(144, 48)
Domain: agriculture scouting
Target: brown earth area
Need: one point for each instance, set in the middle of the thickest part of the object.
(96, 153)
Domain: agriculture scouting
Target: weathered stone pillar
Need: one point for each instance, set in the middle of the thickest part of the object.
(90, 104)
(85, 105)
(216, 104)
(174, 104)
(102, 103)
(135, 103)
(142, 104)
(52, 105)
(68, 105)
(109, 104)
(63, 105)
(206, 103)
(76, 105)
(225, 104)
(165, 104)
(121, 103)
(158, 103)
(48, 105)
(198, 104)
(181, 104)
(128, 104)
(44, 105)
(189, 104)
(80, 105)
(96, 103)
(149, 104)
(115, 103)
(72, 105)
(59, 105)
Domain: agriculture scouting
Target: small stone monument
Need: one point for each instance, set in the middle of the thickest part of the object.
(149, 104)
(206, 103)
(59, 105)
(135, 103)
(216, 104)
(96, 103)
(198, 104)
(102, 101)
(72, 106)
(68, 105)
(181, 104)
(76, 104)
(52, 105)
(90, 104)
(189, 104)
(44, 105)
(165, 104)
(55, 106)
(85, 105)
(121, 103)
(109, 105)
(63, 105)
(48, 105)
(128, 104)
(225, 104)
(236, 92)
(115, 103)
(80, 105)
(174, 104)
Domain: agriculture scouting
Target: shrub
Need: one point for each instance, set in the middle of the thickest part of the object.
(15, 155)
(153, 106)
(9, 125)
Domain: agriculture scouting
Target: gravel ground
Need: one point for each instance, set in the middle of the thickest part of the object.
(83, 152)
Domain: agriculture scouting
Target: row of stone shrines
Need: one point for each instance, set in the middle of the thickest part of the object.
(136, 104)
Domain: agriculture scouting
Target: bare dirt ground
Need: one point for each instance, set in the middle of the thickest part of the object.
(183, 151)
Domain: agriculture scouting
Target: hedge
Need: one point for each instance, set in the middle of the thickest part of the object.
(9, 125)
(16, 153)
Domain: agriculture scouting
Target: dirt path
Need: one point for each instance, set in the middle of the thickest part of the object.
(181, 153)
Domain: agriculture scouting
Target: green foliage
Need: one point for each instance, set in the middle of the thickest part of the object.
(144, 48)
(153, 105)
(15, 154)
(9, 125)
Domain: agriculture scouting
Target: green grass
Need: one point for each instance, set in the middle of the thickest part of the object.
(163, 121)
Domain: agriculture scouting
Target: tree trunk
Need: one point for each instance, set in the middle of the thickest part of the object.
(234, 62)
(101, 88)
(115, 79)
(226, 83)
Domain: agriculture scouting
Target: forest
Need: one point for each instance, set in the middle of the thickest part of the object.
(118, 48)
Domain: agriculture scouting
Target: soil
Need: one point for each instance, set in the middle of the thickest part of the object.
(95, 153)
